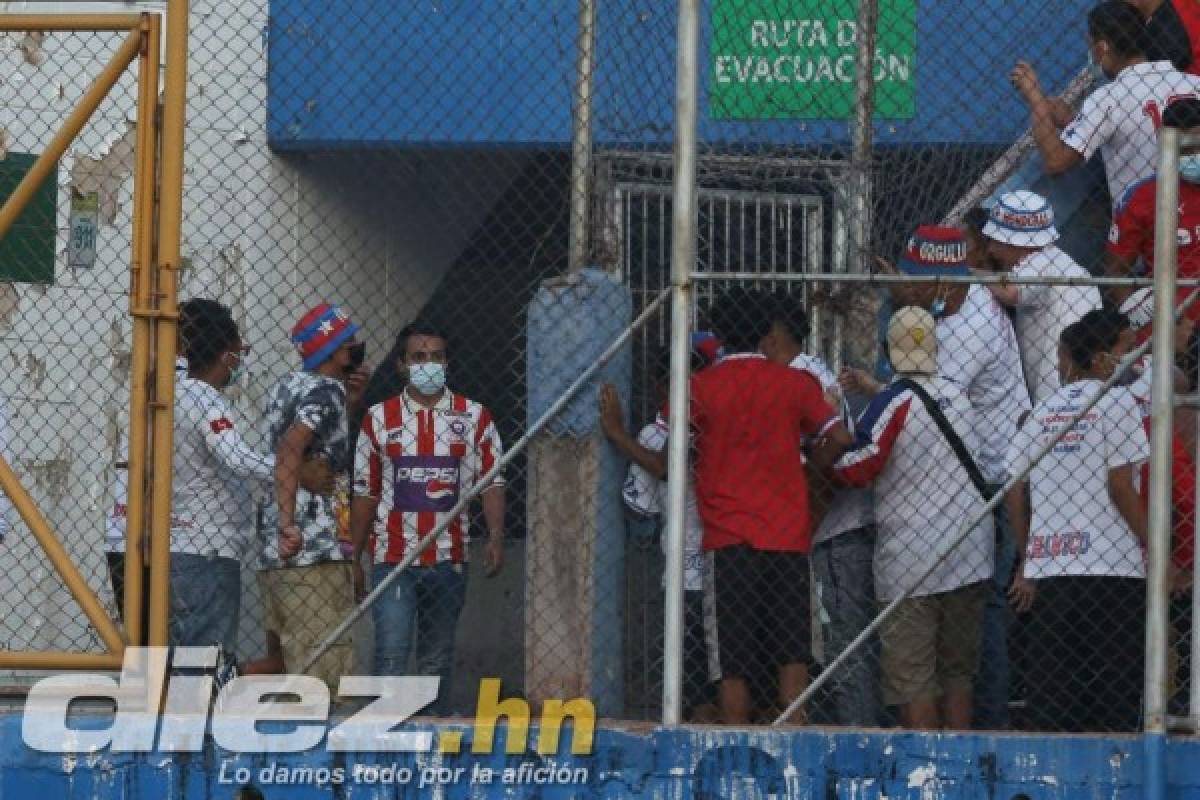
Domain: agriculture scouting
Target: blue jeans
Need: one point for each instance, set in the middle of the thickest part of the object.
(842, 568)
(425, 602)
(992, 680)
(206, 593)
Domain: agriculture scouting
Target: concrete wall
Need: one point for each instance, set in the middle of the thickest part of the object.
(267, 235)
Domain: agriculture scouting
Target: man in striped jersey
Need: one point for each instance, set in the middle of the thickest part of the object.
(417, 452)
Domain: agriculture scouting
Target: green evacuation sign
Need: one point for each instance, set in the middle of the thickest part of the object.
(794, 59)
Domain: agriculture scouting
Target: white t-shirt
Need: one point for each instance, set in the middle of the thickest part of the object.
(646, 496)
(923, 494)
(116, 513)
(1043, 312)
(1075, 529)
(849, 509)
(977, 349)
(210, 510)
(1121, 120)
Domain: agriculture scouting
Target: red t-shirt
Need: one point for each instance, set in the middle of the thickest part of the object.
(1132, 231)
(1183, 500)
(749, 419)
(1189, 15)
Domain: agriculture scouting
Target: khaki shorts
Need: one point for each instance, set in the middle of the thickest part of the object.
(931, 644)
(302, 605)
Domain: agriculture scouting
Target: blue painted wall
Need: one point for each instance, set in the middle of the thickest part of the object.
(380, 73)
(699, 763)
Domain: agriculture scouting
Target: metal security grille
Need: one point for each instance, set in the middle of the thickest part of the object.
(740, 231)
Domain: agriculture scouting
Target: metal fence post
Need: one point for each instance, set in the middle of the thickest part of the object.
(143, 327)
(1163, 404)
(862, 140)
(581, 138)
(170, 219)
(683, 257)
(1194, 675)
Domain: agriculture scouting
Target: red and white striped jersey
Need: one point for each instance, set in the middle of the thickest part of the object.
(417, 462)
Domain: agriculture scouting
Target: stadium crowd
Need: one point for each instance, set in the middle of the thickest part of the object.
(816, 498)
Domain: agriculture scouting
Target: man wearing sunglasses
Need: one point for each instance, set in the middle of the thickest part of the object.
(304, 567)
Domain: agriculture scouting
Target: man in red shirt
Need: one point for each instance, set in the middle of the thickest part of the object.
(1172, 32)
(1132, 233)
(1131, 236)
(750, 417)
(1138, 314)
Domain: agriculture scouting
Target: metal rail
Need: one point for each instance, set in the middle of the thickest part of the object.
(885, 279)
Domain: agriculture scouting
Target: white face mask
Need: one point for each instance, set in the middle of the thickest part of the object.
(427, 379)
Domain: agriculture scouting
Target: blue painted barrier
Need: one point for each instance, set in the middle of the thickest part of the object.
(707, 763)
(361, 74)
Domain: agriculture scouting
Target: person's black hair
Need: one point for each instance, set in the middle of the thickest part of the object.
(1119, 24)
(199, 307)
(1102, 317)
(1183, 113)
(787, 310)
(1094, 333)
(207, 330)
(740, 318)
(387, 380)
(975, 218)
(418, 327)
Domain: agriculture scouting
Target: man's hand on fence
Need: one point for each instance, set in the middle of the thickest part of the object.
(317, 476)
(1024, 79)
(291, 541)
(612, 420)
(858, 381)
(1022, 592)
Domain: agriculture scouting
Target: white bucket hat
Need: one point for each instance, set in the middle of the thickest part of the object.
(1022, 219)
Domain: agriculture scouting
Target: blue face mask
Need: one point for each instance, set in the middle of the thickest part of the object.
(938, 309)
(427, 379)
(1189, 168)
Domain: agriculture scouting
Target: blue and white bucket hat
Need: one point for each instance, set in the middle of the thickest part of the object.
(1022, 219)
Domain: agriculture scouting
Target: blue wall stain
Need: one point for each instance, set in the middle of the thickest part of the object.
(647, 763)
(377, 73)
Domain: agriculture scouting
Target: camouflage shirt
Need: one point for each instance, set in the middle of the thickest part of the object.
(319, 403)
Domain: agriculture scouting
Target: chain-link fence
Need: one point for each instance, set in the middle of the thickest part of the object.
(482, 195)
